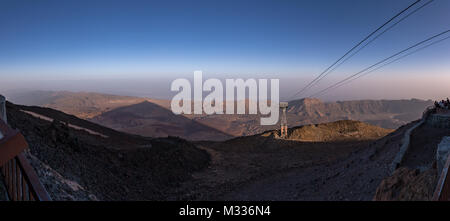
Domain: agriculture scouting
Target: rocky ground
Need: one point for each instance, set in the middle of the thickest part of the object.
(262, 167)
(408, 184)
(77, 165)
(344, 160)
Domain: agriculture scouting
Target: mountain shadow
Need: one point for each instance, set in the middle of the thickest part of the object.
(149, 119)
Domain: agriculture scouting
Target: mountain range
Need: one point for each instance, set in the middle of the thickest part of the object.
(153, 117)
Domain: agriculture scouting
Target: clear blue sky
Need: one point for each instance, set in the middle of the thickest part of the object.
(59, 40)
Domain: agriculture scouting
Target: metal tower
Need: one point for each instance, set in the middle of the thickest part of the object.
(283, 123)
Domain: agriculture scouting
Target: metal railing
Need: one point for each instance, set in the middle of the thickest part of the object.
(20, 179)
(442, 192)
(3, 108)
(428, 111)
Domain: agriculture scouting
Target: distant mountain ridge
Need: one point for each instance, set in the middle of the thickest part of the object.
(84, 105)
(309, 105)
(389, 114)
(384, 113)
(137, 115)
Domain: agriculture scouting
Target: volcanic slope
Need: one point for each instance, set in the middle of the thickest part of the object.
(347, 164)
(74, 163)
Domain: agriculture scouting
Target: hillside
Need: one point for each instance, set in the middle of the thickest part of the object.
(80, 160)
(335, 131)
(74, 164)
(417, 174)
(263, 167)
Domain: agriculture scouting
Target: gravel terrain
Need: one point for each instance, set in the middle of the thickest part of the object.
(74, 164)
(266, 168)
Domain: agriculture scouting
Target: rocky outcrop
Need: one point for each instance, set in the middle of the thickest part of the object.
(336, 131)
(407, 184)
(59, 187)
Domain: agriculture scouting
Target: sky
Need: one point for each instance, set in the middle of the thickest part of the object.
(138, 47)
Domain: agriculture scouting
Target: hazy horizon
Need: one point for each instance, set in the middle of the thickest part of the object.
(138, 48)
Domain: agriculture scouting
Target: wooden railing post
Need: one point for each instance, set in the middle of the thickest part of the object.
(20, 179)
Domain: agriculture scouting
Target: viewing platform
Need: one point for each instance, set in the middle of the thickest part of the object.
(439, 119)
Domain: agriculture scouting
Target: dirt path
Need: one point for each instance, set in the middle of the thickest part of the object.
(423, 146)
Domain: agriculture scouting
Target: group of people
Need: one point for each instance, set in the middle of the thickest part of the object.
(444, 104)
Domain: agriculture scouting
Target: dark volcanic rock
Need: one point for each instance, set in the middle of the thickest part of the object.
(407, 184)
(77, 165)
